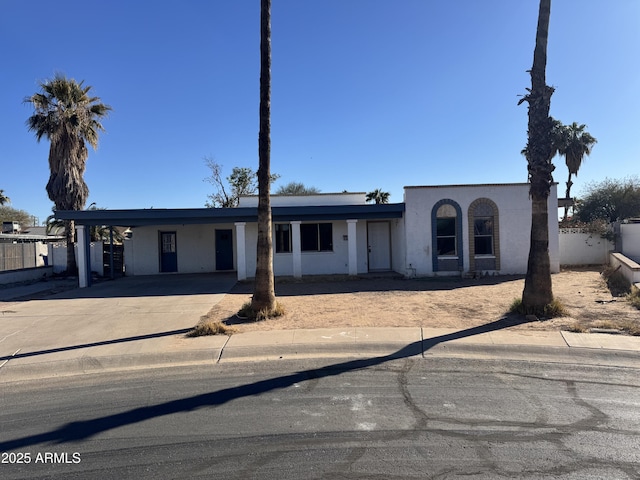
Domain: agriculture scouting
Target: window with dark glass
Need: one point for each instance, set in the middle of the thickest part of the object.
(168, 242)
(283, 237)
(316, 237)
(325, 235)
(446, 236)
(483, 235)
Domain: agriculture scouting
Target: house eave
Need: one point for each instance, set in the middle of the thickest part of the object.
(143, 217)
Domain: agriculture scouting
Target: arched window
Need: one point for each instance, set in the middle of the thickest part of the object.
(446, 236)
(484, 245)
(446, 231)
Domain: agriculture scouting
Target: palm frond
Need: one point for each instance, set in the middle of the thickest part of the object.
(68, 117)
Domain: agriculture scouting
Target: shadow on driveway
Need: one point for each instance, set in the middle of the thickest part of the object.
(135, 338)
(155, 286)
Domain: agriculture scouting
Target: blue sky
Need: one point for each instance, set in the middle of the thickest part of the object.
(366, 93)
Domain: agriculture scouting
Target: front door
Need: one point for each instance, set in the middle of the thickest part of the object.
(168, 252)
(379, 242)
(224, 250)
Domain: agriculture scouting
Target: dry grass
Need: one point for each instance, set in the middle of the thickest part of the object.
(553, 310)
(430, 303)
(616, 282)
(208, 326)
(618, 286)
(577, 327)
(249, 314)
(634, 297)
(628, 327)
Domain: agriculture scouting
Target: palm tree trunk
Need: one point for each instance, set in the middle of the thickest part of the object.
(537, 286)
(567, 195)
(69, 231)
(264, 297)
(537, 292)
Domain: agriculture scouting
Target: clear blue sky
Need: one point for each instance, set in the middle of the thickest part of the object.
(366, 93)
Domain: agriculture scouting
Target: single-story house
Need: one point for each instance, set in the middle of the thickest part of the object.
(436, 230)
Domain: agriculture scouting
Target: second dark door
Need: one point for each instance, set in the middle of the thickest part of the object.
(224, 250)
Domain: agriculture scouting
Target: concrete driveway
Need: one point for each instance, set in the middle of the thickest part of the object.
(130, 316)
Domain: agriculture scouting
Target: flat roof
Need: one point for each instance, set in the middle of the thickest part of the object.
(32, 238)
(184, 216)
(462, 185)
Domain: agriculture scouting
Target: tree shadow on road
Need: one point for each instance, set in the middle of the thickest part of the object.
(78, 431)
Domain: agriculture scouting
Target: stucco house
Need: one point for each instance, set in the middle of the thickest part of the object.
(436, 230)
(473, 229)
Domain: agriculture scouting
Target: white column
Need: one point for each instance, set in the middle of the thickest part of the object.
(241, 250)
(83, 261)
(352, 246)
(297, 249)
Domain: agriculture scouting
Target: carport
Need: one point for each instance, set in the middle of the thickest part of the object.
(239, 218)
(142, 217)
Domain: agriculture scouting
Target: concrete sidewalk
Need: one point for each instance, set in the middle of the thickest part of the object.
(140, 322)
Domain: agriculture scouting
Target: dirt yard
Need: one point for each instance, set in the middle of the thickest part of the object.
(428, 302)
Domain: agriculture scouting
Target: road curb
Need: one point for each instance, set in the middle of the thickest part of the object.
(17, 370)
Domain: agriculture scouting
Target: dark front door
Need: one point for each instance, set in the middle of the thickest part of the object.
(168, 252)
(224, 250)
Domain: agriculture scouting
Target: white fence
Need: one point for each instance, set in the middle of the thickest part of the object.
(25, 275)
(630, 240)
(58, 257)
(578, 248)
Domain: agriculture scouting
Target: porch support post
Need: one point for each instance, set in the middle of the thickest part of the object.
(352, 247)
(111, 272)
(83, 257)
(297, 248)
(241, 250)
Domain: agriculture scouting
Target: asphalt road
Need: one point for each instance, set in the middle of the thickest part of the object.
(409, 418)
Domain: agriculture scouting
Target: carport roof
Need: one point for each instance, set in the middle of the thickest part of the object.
(184, 216)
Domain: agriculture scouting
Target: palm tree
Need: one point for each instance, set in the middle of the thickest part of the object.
(69, 118)
(574, 143)
(539, 151)
(54, 227)
(103, 232)
(378, 196)
(3, 198)
(264, 297)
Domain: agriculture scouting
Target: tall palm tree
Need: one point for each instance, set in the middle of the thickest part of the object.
(574, 143)
(3, 198)
(264, 297)
(378, 196)
(67, 116)
(539, 151)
